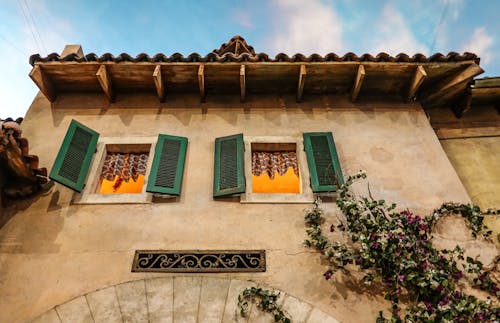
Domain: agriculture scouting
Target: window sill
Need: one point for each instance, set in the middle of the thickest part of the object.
(135, 198)
(288, 198)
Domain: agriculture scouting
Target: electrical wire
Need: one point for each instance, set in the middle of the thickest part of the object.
(13, 45)
(35, 26)
(30, 27)
(440, 24)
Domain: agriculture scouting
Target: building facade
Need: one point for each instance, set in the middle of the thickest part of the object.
(216, 121)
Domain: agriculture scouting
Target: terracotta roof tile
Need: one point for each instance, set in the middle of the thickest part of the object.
(237, 50)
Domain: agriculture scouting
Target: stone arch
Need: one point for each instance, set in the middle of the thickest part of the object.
(174, 299)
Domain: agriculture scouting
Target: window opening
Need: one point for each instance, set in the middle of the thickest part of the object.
(275, 168)
(123, 172)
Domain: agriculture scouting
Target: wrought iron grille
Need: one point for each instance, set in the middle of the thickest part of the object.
(199, 261)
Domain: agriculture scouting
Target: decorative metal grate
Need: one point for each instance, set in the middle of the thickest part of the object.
(199, 261)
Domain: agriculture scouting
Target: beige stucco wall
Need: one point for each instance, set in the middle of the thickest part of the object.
(477, 162)
(472, 143)
(52, 251)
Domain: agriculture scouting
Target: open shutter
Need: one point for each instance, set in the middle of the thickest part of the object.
(168, 165)
(324, 166)
(75, 155)
(229, 176)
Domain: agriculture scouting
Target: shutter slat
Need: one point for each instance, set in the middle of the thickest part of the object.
(168, 165)
(75, 155)
(229, 175)
(324, 167)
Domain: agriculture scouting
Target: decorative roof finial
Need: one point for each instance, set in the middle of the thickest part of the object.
(236, 45)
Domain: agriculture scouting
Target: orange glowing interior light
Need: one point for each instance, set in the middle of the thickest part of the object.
(119, 186)
(288, 183)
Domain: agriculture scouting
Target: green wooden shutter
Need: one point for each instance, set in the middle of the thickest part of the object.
(168, 165)
(75, 155)
(324, 166)
(229, 176)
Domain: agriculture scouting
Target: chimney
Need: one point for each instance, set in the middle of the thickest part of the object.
(72, 49)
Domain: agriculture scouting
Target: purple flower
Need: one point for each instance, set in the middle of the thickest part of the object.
(328, 274)
(444, 301)
(401, 277)
(428, 306)
(458, 274)
(389, 235)
(423, 227)
(358, 261)
(375, 245)
(406, 213)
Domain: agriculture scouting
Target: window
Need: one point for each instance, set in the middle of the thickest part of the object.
(123, 170)
(295, 182)
(275, 168)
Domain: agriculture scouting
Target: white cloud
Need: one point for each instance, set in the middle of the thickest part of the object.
(392, 34)
(304, 27)
(18, 90)
(480, 44)
(455, 7)
(243, 18)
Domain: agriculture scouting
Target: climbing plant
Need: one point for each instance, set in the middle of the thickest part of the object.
(265, 300)
(396, 249)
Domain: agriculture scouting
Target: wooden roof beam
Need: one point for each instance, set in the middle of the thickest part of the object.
(44, 83)
(201, 81)
(105, 81)
(160, 87)
(470, 72)
(417, 80)
(242, 83)
(302, 81)
(358, 82)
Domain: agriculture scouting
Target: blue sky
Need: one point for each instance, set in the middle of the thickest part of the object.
(270, 26)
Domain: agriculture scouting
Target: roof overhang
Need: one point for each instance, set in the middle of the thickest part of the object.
(437, 81)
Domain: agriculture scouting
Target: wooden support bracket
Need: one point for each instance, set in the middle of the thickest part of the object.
(358, 82)
(470, 72)
(44, 83)
(160, 88)
(201, 82)
(242, 83)
(416, 81)
(302, 81)
(105, 81)
(463, 105)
